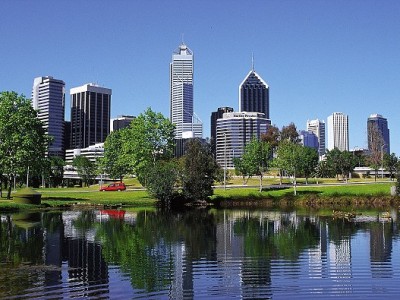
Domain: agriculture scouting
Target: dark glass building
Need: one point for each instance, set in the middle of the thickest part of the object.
(121, 122)
(382, 126)
(90, 115)
(254, 94)
(214, 117)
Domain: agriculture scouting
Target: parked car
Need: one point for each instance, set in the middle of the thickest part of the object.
(116, 186)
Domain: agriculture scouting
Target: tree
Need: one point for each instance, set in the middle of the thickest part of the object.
(255, 159)
(309, 161)
(290, 133)
(342, 162)
(56, 171)
(272, 136)
(391, 163)
(113, 162)
(199, 170)
(324, 170)
(241, 169)
(149, 138)
(23, 141)
(376, 146)
(289, 158)
(161, 180)
(85, 168)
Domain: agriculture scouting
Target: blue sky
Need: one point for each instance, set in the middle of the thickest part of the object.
(318, 57)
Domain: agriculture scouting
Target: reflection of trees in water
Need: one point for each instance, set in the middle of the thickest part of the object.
(145, 250)
(20, 248)
(287, 241)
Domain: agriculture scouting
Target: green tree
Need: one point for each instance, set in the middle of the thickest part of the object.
(23, 139)
(241, 169)
(199, 171)
(149, 138)
(342, 162)
(161, 180)
(309, 161)
(255, 159)
(85, 168)
(324, 170)
(289, 158)
(113, 162)
(391, 163)
(56, 174)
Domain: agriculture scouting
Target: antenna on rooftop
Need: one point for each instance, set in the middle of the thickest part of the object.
(252, 61)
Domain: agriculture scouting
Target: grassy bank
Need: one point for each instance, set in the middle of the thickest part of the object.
(307, 195)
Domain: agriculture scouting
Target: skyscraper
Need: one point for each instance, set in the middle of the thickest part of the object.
(381, 125)
(181, 94)
(48, 98)
(308, 139)
(234, 131)
(254, 94)
(318, 128)
(90, 115)
(214, 117)
(338, 131)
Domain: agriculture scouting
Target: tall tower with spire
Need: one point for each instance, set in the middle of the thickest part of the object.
(181, 94)
(254, 93)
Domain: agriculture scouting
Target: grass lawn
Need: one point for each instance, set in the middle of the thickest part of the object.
(135, 197)
(370, 189)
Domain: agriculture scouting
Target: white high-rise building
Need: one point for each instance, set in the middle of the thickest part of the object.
(338, 131)
(318, 128)
(48, 98)
(234, 131)
(181, 94)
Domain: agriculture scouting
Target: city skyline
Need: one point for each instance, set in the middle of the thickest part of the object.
(317, 57)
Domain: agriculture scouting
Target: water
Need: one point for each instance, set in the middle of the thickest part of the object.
(199, 254)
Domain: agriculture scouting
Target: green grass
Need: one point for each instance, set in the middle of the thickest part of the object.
(59, 197)
(370, 189)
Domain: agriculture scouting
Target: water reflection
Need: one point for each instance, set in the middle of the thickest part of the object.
(199, 253)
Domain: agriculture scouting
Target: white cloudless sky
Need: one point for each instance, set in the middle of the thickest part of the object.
(318, 57)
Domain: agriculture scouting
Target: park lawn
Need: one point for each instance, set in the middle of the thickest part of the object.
(65, 196)
(358, 189)
(59, 197)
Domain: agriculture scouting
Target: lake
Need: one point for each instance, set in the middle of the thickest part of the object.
(212, 254)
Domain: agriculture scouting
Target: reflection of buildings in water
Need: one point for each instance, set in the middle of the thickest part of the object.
(87, 269)
(381, 242)
(318, 257)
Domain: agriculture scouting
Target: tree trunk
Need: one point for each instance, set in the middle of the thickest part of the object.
(10, 178)
(280, 177)
(261, 184)
(294, 185)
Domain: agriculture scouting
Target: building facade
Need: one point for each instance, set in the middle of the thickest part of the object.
(381, 124)
(338, 131)
(318, 128)
(121, 122)
(308, 139)
(90, 115)
(181, 93)
(48, 98)
(254, 94)
(234, 131)
(214, 117)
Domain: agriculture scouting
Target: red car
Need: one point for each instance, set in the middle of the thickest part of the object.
(116, 186)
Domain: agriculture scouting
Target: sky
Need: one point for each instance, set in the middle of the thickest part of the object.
(317, 56)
